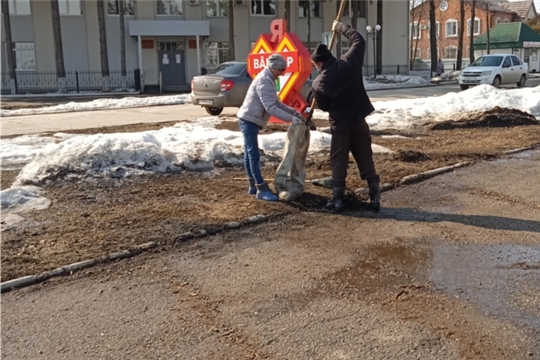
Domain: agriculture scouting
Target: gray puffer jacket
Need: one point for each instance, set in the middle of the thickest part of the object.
(262, 101)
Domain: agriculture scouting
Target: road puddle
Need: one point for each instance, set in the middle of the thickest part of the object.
(499, 280)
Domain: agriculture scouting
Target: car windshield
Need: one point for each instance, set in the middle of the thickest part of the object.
(229, 69)
(488, 61)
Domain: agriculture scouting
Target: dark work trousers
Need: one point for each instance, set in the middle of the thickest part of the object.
(358, 142)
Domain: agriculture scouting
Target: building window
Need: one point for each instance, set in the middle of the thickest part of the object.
(450, 52)
(170, 45)
(19, 7)
(418, 53)
(25, 58)
(216, 8)
(415, 30)
(315, 7)
(476, 27)
(498, 20)
(451, 28)
(215, 53)
(263, 7)
(70, 7)
(347, 12)
(437, 31)
(113, 7)
(169, 7)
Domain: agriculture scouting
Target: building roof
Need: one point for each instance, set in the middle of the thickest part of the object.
(507, 36)
(521, 8)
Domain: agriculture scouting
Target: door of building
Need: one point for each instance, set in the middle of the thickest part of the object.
(172, 64)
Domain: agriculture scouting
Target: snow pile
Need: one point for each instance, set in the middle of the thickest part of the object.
(23, 198)
(19, 200)
(103, 104)
(406, 113)
(195, 146)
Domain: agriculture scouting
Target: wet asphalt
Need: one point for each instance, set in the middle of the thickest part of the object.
(449, 269)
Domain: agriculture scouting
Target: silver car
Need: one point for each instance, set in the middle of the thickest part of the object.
(227, 87)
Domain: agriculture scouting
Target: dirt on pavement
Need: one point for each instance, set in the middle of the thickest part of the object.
(85, 221)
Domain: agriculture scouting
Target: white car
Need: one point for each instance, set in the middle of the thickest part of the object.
(495, 70)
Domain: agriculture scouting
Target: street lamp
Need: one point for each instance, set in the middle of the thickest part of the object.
(373, 33)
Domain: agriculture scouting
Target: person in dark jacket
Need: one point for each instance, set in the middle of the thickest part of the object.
(339, 90)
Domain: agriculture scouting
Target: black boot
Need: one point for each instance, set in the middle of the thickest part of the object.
(336, 204)
(375, 195)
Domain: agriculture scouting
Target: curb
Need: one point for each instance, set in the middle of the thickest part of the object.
(416, 177)
(432, 173)
(70, 269)
(515, 151)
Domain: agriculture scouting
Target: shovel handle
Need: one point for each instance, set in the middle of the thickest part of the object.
(332, 41)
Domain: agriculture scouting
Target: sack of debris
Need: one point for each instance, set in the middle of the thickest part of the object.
(290, 179)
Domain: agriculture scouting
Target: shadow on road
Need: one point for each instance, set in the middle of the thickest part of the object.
(482, 221)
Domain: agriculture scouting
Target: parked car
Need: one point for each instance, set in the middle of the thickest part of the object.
(227, 87)
(495, 70)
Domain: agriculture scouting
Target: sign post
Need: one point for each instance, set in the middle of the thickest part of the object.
(296, 56)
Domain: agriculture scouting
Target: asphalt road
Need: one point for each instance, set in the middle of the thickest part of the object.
(447, 270)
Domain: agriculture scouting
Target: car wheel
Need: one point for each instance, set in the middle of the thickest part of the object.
(522, 81)
(463, 87)
(497, 82)
(213, 110)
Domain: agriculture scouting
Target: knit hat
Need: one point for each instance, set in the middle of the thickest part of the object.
(276, 61)
(321, 54)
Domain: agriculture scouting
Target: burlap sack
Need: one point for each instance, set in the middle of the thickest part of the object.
(290, 179)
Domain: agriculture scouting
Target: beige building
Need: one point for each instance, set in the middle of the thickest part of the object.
(171, 40)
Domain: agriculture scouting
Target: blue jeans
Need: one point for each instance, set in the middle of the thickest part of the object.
(251, 150)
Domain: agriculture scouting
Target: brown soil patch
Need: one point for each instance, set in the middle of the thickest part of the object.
(496, 117)
(93, 218)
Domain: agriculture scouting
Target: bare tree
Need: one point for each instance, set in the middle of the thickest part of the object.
(9, 47)
(433, 36)
(417, 14)
(471, 32)
(230, 17)
(488, 25)
(58, 48)
(122, 44)
(379, 36)
(103, 47)
(461, 31)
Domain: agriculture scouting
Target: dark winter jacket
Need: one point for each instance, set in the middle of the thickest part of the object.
(339, 88)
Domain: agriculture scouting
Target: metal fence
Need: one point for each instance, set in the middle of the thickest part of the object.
(40, 82)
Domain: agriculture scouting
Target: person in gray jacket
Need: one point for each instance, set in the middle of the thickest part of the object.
(260, 104)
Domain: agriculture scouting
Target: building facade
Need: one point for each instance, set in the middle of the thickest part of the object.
(447, 13)
(171, 40)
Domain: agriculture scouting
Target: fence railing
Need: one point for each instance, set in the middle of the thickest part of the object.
(40, 82)
(449, 64)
